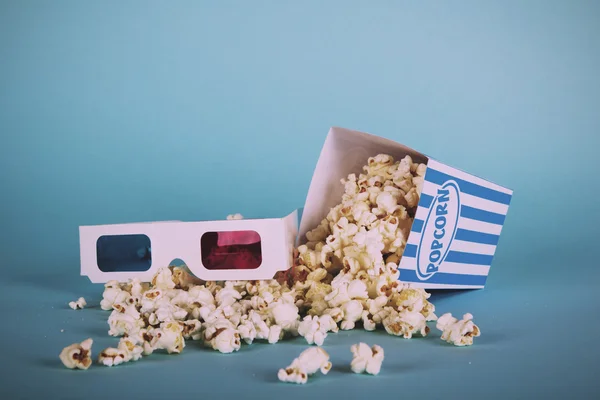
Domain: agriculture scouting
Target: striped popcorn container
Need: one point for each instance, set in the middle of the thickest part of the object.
(458, 220)
(456, 230)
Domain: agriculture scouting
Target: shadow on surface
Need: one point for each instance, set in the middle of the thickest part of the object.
(53, 363)
(343, 368)
(438, 294)
(271, 376)
(405, 367)
(491, 339)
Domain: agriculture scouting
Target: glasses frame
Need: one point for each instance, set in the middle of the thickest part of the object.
(172, 240)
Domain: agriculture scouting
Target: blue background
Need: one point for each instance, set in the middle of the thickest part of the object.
(121, 111)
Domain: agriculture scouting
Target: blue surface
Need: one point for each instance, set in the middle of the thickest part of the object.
(116, 112)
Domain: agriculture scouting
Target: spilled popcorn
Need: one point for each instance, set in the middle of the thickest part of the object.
(459, 333)
(309, 362)
(344, 277)
(366, 359)
(79, 304)
(77, 355)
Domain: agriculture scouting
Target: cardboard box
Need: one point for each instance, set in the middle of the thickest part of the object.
(451, 245)
(458, 221)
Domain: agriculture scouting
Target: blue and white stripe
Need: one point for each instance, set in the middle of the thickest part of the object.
(483, 209)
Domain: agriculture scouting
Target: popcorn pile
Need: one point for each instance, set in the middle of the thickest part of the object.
(348, 270)
(345, 276)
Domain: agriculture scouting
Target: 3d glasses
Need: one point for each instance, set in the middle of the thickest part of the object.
(246, 249)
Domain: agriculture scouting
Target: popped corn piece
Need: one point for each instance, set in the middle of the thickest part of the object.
(327, 323)
(421, 169)
(227, 295)
(79, 304)
(169, 312)
(308, 363)
(320, 232)
(352, 312)
(412, 197)
(414, 299)
(310, 258)
(458, 332)
(121, 323)
(314, 329)
(130, 349)
(150, 299)
(405, 166)
(289, 297)
(128, 309)
(163, 279)
(192, 329)
(309, 328)
(292, 375)
(111, 357)
(261, 327)
(406, 323)
(368, 323)
(370, 241)
(223, 337)
(366, 359)
(182, 278)
(235, 216)
(382, 314)
(357, 290)
(386, 203)
(316, 295)
(338, 296)
(378, 165)
(374, 312)
(211, 328)
(208, 313)
(169, 337)
(336, 314)
(136, 287)
(144, 338)
(178, 297)
(77, 355)
(112, 294)
(418, 181)
(133, 300)
(314, 359)
(275, 334)
(386, 284)
(233, 314)
(200, 295)
(362, 214)
(247, 331)
(285, 314)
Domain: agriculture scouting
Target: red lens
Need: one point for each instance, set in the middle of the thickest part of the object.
(231, 250)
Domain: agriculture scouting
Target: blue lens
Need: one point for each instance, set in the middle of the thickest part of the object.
(124, 253)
